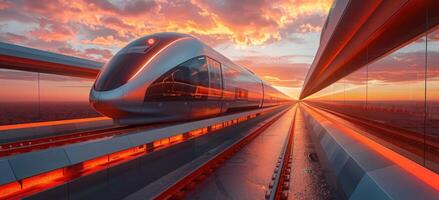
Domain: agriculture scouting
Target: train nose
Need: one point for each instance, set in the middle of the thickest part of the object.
(104, 105)
(94, 97)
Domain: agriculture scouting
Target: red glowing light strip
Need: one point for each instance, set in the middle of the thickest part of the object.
(425, 175)
(50, 123)
(155, 55)
(34, 184)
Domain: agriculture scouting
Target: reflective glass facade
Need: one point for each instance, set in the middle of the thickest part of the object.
(432, 101)
(400, 91)
(34, 97)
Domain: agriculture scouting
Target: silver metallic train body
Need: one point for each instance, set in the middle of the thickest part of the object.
(168, 77)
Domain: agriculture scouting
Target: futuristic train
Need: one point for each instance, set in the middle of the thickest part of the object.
(167, 77)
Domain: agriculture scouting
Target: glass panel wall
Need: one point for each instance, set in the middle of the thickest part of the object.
(18, 97)
(337, 96)
(34, 97)
(432, 111)
(396, 87)
(396, 96)
(356, 91)
(64, 97)
(323, 96)
(399, 91)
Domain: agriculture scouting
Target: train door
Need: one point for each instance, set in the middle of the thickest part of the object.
(263, 95)
(201, 82)
(206, 76)
(216, 86)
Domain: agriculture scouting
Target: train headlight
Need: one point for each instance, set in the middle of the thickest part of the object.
(150, 41)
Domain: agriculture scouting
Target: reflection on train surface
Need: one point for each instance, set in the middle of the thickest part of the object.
(173, 77)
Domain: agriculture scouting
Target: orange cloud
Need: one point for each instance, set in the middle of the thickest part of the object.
(251, 22)
(100, 53)
(309, 28)
(290, 91)
(258, 22)
(52, 31)
(276, 70)
(96, 29)
(272, 78)
(4, 5)
(105, 41)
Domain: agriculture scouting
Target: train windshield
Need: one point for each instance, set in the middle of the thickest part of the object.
(197, 78)
(129, 60)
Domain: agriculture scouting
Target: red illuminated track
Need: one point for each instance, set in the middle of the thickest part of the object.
(40, 182)
(13, 148)
(281, 177)
(178, 189)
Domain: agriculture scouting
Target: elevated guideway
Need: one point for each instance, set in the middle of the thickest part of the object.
(29, 59)
(68, 164)
(342, 141)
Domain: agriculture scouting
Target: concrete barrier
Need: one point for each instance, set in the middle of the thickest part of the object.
(358, 172)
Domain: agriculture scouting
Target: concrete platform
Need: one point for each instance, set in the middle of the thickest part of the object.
(307, 179)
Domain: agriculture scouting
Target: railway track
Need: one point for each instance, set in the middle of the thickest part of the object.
(278, 188)
(178, 189)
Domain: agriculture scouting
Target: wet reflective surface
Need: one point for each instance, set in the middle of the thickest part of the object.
(399, 90)
(248, 173)
(307, 179)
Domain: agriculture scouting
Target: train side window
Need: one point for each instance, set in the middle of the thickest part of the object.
(199, 71)
(199, 77)
(174, 85)
(186, 81)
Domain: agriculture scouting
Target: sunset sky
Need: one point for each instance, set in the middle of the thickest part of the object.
(275, 39)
